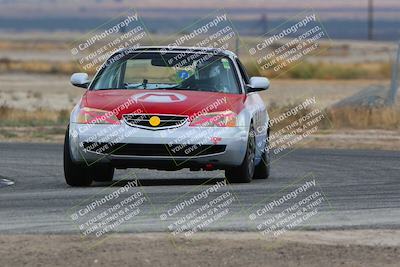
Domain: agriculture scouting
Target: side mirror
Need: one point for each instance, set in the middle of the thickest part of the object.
(258, 84)
(80, 80)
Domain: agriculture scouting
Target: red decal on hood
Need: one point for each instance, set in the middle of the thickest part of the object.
(159, 97)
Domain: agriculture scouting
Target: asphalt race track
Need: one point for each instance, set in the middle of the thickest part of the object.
(361, 189)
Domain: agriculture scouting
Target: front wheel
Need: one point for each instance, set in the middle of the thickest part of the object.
(102, 173)
(75, 174)
(245, 172)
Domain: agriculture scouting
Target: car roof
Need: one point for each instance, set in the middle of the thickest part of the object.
(177, 49)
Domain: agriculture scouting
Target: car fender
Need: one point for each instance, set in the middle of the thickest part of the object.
(255, 112)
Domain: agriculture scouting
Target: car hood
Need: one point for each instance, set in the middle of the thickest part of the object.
(177, 102)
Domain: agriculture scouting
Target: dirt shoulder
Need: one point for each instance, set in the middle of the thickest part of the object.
(354, 139)
(299, 248)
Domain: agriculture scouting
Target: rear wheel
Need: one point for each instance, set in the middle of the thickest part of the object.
(75, 174)
(245, 172)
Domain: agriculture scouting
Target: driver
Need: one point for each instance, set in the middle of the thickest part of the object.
(211, 73)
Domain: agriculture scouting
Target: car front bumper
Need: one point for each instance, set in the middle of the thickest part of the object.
(178, 141)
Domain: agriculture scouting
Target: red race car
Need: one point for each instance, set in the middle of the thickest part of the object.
(167, 109)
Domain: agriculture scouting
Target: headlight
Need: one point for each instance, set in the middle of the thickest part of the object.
(96, 116)
(215, 119)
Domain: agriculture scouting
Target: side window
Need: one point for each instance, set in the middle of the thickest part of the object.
(243, 72)
(114, 81)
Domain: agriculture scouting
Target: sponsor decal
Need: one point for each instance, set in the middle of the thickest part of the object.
(183, 75)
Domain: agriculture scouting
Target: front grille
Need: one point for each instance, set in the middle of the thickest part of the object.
(166, 121)
(177, 150)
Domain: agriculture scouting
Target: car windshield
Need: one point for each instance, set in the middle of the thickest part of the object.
(178, 71)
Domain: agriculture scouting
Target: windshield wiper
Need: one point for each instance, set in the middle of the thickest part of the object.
(144, 84)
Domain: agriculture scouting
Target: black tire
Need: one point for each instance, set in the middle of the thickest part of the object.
(244, 173)
(262, 170)
(102, 173)
(75, 174)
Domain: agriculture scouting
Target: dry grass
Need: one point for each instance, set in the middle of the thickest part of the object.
(20, 117)
(33, 45)
(387, 118)
(275, 110)
(325, 71)
(365, 117)
(38, 66)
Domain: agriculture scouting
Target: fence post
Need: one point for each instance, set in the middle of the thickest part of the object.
(391, 100)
